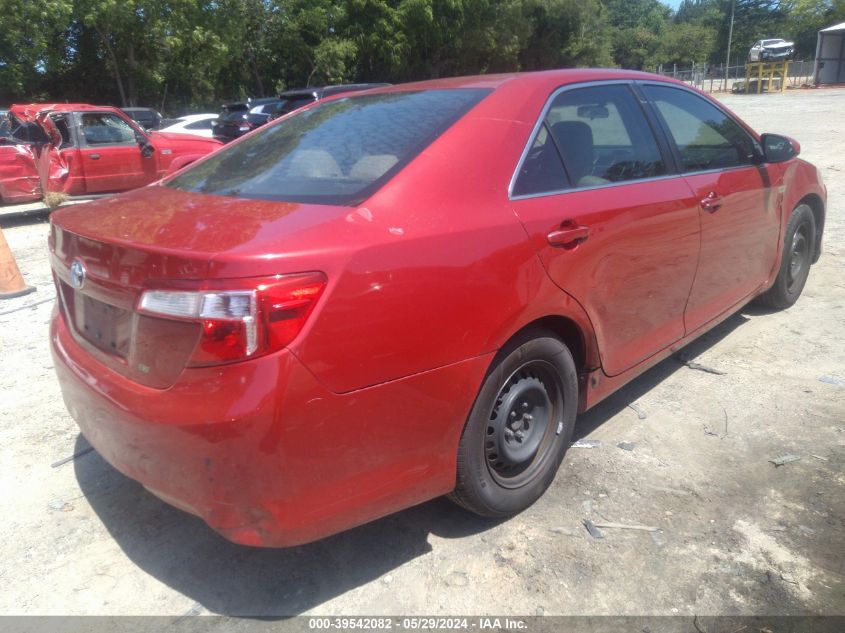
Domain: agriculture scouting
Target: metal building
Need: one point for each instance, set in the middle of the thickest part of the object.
(830, 55)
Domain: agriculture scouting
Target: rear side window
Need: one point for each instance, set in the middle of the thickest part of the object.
(337, 152)
(601, 136)
(542, 170)
(706, 137)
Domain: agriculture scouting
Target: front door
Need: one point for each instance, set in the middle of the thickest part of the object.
(110, 155)
(613, 226)
(739, 221)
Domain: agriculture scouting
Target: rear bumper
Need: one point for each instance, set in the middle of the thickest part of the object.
(261, 451)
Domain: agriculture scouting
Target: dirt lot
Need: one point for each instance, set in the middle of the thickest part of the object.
(737, 535)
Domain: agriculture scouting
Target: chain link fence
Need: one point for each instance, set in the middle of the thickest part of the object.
(713, 78)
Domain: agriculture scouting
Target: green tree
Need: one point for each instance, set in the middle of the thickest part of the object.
(28, 29)
(637, 30)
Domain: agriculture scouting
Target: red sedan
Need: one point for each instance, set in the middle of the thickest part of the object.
(412, 291)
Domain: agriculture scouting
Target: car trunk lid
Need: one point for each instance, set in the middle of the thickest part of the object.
(158, 235)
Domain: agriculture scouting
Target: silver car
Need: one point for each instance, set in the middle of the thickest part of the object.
(775, 50)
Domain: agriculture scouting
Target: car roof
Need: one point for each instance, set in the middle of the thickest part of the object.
(325, 91)
(29, 111)
(535, 79)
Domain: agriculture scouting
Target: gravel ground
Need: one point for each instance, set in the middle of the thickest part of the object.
(737, 535)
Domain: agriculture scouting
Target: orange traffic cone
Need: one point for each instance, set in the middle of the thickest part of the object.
(11, 281)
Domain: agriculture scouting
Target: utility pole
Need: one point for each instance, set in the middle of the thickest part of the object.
(730, 41)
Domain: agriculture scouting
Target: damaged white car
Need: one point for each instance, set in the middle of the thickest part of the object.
(775, 50)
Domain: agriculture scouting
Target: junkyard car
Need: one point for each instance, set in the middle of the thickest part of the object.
(771, 51)
(197, 124)
(390, 296)
(237, 119)
(85, 149)
(240, 117)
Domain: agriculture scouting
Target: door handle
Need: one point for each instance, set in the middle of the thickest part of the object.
(712, 202)
(94, 156)
(569, 235)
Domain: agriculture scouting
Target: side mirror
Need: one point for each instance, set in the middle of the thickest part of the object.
(779, 149)
(147, 148)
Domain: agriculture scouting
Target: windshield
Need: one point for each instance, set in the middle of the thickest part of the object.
(770, 42)
(337, 152)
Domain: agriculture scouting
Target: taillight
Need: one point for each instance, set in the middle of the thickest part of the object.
(241, 318)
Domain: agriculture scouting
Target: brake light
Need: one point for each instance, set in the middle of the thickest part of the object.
(241, 318)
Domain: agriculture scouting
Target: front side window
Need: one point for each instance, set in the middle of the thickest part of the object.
(602, 137)
(706, 137)
(337, 152)
(105, 128)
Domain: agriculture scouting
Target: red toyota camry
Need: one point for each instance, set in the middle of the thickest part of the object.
(412, 291)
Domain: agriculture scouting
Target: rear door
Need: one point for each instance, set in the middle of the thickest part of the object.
(110, 155)
(740, 225)
(613, 225)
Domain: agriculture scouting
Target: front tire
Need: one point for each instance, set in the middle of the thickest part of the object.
(798, 248)
(519, 428)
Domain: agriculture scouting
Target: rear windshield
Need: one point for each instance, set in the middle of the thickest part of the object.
(337, 152)
(234, 112)
(292, 103)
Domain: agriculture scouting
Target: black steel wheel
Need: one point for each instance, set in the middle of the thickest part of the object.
(519, 428)
(799, 258)
(522, 423)
(798, 248)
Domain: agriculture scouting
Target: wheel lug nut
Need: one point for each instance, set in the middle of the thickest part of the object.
(513, 414)
(524, 405)
(529, 417)
(508, 434)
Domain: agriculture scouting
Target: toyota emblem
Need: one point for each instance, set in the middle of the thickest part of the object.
(77, 274)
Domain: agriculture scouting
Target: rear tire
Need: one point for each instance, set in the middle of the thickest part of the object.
(798, 248)
(519, 428)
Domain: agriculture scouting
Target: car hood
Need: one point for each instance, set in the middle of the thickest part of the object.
(178, 140)
(779, 45)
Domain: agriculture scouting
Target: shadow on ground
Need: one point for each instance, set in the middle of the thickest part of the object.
(182, 552)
